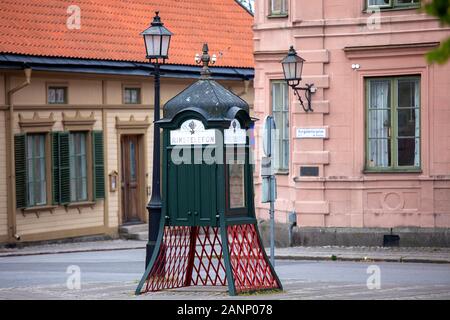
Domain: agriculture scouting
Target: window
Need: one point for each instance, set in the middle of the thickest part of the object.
(56, 95)
(36, 171)
(280, 111)
(392, 3)
(132, 95)
(278, 7)
(78, 166)
(32, 169)
(58, 168)
(393, 123)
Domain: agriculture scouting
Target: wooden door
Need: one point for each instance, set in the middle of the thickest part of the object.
(131, 211)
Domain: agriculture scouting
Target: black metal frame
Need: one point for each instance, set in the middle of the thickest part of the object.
(154, 207)
(308, 92)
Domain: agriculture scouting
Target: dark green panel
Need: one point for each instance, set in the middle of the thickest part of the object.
(64, 167)
(55, 167)
(21, 170)
(208, 194)
(98, 163)
(178, 193)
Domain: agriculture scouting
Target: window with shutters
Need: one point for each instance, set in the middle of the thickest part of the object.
(33, 169)
(280, 112)
(59, 168)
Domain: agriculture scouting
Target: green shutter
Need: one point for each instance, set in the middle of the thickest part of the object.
(64, 168)
(55, 167)
(98, 165)
(21, 170)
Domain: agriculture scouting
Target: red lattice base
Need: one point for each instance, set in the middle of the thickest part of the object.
(193, 256)
(251, 270)
(187, 256)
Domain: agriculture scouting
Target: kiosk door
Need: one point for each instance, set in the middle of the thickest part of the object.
(191, 192)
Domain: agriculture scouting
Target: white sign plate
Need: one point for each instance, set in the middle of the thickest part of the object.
(315, 133)
(192, 132)
(234, 134)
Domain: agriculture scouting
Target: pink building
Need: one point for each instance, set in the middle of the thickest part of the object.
(379, 154)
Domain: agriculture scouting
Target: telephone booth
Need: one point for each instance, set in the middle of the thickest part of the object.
(208, 230)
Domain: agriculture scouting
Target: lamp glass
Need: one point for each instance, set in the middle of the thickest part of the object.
(152, 45)
(293, 70)
(165, 41)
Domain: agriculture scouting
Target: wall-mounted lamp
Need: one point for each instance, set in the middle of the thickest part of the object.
(113, 177)
(292, 69)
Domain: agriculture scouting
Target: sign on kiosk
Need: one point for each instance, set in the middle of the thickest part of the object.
(192, 132)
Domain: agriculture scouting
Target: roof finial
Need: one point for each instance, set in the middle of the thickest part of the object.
(205, 59)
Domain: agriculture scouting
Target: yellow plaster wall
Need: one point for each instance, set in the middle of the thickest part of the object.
(3, 178)
(86, 90)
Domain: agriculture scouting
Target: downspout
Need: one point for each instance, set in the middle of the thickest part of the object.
(12, 226)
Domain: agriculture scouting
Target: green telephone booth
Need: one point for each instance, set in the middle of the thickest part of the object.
(208, 230)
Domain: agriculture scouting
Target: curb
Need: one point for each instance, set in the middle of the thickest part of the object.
(278, 257)
(361, 259)
(20, 254)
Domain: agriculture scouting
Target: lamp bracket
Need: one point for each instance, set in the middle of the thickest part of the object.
(309, 90)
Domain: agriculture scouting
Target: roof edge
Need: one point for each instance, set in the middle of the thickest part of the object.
(78, 65)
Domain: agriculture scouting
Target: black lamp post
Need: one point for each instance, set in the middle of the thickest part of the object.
(292, 69)
(157, 40)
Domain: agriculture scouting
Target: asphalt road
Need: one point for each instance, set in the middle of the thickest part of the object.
(45, 276)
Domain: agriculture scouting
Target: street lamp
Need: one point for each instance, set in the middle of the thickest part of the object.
(157, 40)
(292, 69)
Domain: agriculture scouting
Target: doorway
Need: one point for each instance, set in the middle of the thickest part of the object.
(130, 179)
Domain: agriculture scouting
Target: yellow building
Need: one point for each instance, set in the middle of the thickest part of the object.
(76, 106)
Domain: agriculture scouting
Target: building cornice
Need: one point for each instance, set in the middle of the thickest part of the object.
(117, 68)
(401, 49)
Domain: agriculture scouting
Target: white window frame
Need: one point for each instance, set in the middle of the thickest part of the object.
(31, 177)
(282, 147)
(391, 5)
(283, 10)
(74, 175)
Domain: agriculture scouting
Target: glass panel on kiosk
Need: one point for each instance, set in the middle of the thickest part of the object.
(236, 176)
(237, 185)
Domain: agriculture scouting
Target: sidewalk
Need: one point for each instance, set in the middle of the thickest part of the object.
(388, 254)
(73, 247)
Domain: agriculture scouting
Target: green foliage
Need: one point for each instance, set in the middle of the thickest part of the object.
(441, 54)
(441, 10)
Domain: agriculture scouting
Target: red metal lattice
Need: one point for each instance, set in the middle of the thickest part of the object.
(170, 266)
(187, 256)
(208, 268)
(251, 270)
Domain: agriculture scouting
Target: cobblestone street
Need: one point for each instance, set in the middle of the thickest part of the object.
(115, 274)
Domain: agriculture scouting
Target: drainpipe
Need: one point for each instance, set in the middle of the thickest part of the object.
(12, 227)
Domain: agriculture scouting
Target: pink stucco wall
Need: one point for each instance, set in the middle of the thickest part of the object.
(343, 195)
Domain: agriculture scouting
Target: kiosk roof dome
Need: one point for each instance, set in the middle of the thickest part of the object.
(206, 97)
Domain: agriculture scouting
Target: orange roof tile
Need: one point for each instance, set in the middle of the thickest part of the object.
(110, 30)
